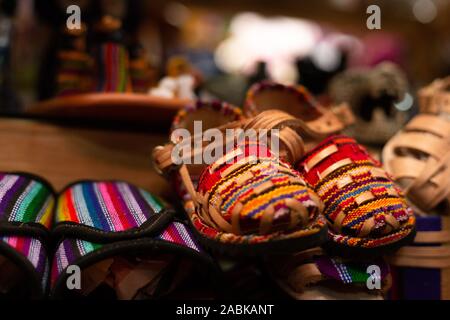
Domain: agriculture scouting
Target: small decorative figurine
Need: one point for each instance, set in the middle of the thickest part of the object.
(179, 82)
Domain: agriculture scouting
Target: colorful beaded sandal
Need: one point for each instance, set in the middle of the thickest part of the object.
(247, 201)
(313, 275)
(419, 155)
(366, 212)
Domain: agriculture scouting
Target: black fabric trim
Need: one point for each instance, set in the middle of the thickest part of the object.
(31, 229)
(134, 247)
(35, 279)
(153, 225)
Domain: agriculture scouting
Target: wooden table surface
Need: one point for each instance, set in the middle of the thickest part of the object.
(63, 154)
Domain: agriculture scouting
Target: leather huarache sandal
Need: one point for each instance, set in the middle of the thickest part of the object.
(313, 275)
(298, 102)
(419, 155)
(246, 201)
(125, 243)
(26, 204)
(366, 212)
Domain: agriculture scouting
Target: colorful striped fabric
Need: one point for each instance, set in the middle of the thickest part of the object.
(71, 250)
(34, 251)
(179, 234)
(350, 272)
(26, 200)
(113, 68)
(108, 206)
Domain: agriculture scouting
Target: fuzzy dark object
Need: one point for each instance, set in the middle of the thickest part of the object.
(367, 89)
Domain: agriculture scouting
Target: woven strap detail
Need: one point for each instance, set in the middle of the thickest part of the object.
(298, 100)
(419, 158)
(435, 98)
(245, 194)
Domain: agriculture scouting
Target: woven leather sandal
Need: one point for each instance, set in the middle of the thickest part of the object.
(313, 275)
(366, 212)
(419, 155)
(247, 201)
(298, 102)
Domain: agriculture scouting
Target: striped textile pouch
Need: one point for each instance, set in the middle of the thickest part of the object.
(422, 271)
(113, 68)
(121, 238)
(26, 206)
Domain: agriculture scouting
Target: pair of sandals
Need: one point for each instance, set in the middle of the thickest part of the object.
(321, 189)
(106, 239)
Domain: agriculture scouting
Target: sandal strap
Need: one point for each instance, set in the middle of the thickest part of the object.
(328, 120)
(428, 183)
(435, 98)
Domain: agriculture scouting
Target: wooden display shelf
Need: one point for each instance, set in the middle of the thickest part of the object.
(63, 154)
(127, 108)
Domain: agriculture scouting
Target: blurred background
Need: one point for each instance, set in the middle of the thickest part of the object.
(234, 43)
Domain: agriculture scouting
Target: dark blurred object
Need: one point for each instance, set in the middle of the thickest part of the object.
(142, 75)
(248, 280)
(372, 95)
(259, 75)
(53, 14)
(313, 77)
(7, 7)
(8, 99)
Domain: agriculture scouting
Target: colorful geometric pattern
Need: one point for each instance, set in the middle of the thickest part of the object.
(179, 234)
(113, 68)
(252, 189)
(25, 200)
(363, 206)
(34, 251)
(227, 237)
(108, 206)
